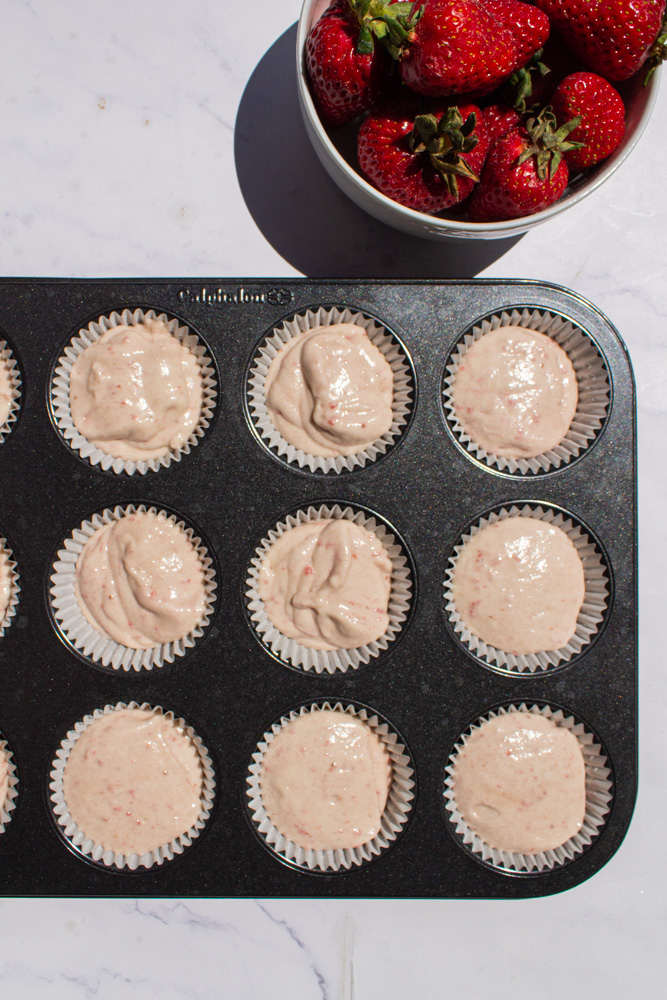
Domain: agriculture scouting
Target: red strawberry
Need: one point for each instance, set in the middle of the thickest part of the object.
(345, 81)
(428, 162)
(524, 172)
(461, 46)
(349, 70)
(500, 118)
(528, 24)
(612, 37)
(603, 117)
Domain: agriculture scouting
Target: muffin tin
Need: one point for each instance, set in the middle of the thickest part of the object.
(426, 685)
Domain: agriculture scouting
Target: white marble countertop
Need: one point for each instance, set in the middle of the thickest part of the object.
(136, 140)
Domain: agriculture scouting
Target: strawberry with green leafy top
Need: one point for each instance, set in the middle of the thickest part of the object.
(611, 37)
(427, 161)
(602, 114)
(525, 171)
(349, 69)
(470, 46)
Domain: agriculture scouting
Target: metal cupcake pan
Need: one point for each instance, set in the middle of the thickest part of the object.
(428, 487)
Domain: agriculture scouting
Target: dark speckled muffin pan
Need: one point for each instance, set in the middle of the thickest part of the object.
(428, 687)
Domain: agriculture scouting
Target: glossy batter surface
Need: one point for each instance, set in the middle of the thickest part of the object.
(515, 392)
(137, 392)
(519, 783)
(329, 391)
(133, 781)
(140, 581)
(518, 584)
(326, 584)
(325, 780)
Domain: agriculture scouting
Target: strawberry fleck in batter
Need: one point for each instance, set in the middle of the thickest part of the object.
(325, 780)
(515, 392)
(137, 392)
(133, 781)
(326, 583)
(519, 783)
(329, 391)
(139, 581)
(519, 585)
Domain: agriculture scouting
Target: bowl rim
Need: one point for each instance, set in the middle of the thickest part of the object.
(438, 226)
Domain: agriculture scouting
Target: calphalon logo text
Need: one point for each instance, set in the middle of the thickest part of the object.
(237, 296)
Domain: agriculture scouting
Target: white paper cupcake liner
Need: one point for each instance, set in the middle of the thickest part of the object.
(386, 342)
(394, 818)
(12, 789)
(290, 651)
(60, 405)
(9, 361)
(97, 852)
(592, 381)
(599, 795)
(14, 585)
(591, 614)
(76, 628)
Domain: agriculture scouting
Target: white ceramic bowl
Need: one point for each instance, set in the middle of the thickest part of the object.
(337, 153)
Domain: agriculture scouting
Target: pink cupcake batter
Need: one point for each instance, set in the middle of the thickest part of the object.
(136, 393)
(326, 583)
(329, 391)
(515, 392)
(139, 581)
(133, 781)
(518, 585)
(324, 781)
(520, 783)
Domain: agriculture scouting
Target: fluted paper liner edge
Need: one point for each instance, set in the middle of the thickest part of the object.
(8, 359)
(75, 626)
(97, 852)
(14, 586)
(599, 796)
(591, 614)
(60, 392)
(303, 657)
(10, 802)
(395, 816)
(382, 338)
(592, 383)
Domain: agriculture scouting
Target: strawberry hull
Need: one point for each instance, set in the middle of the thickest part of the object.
(387, 158)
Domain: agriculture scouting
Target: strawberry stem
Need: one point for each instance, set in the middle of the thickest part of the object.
(548, 143)
(445, 140)
(390, 23)
(520, 84)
